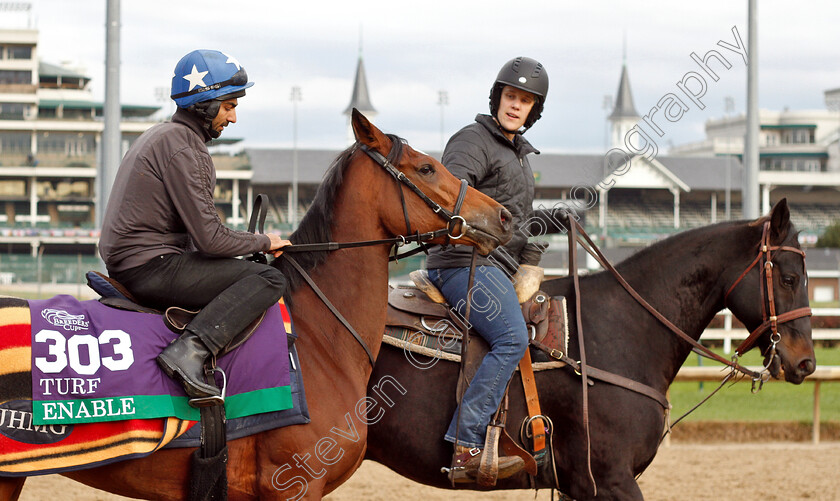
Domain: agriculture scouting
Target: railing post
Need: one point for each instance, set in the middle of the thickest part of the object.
(667, 441)
(727, 324)
(815, 427)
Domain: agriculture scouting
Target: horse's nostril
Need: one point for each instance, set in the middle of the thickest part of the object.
(807, 366)
(505, 218)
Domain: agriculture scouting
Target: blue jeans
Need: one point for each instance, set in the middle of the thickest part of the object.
(496, 315)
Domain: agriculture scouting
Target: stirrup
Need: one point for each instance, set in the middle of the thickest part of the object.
(213, 399)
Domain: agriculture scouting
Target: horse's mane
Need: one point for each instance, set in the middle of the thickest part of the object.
(702, 234)
(316, 226)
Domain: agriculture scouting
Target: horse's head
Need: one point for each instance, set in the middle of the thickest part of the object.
(425, 197)
(770, 296)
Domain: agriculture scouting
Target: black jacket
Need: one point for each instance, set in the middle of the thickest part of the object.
(499, 168)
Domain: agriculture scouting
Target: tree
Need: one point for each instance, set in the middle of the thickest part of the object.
(831, 236)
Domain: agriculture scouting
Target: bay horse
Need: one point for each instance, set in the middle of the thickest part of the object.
(686, 278)
(358, 200)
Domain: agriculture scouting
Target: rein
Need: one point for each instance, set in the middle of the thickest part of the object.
(451, 219)
(577, 234)
(697, 346)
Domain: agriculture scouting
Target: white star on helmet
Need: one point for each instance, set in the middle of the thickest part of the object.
(195, 78)
(232, 60)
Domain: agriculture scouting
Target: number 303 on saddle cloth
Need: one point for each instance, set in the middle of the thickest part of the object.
(79, 384)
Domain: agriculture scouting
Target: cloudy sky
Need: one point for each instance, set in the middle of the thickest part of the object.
(412, 50)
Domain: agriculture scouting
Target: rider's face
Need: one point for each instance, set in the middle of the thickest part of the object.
(514, 107)
(226, 115)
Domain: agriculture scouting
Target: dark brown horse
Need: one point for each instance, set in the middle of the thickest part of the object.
(686, 278)
(358, 200)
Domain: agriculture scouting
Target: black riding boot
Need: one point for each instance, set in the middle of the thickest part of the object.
(183, 360)
(215, 326)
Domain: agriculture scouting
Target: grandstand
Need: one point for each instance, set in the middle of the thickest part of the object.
(49, 197)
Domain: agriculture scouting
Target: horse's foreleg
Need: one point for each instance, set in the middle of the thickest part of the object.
(10, 488)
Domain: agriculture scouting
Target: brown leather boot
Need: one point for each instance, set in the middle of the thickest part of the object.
(465, 463)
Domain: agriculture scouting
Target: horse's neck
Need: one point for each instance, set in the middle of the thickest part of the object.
(356, 283)
(681, 279)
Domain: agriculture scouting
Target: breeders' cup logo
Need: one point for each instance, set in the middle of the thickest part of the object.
(66, 321)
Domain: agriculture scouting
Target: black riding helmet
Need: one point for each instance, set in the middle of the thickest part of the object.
(526, 74)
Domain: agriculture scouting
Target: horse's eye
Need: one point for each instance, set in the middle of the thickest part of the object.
(788, 280)
(426, 170)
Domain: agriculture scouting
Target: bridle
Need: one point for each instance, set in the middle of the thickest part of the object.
(451, 218)
(770, 319)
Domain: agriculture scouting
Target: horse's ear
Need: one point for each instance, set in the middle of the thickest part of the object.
(367, 133)
(779, 221)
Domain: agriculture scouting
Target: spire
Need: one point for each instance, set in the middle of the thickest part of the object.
(360, 98)
(624, 107)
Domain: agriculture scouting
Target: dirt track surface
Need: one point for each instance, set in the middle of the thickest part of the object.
(681, 472)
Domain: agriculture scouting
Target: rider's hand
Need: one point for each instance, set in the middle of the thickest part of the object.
(277, 243)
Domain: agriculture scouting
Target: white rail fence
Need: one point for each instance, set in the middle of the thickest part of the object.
(822, 374)
(727, 334)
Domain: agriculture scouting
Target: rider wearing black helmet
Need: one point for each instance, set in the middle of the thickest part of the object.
(525, 74)
(491, 155)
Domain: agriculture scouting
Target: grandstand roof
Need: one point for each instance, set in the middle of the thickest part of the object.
(274, 166)
(51, 70)
(823, 259)
(705, 173)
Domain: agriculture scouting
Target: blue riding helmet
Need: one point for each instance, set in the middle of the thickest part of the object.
(203, 75)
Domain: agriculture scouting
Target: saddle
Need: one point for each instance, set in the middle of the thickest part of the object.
(115, 295)
(419, 315)
(426, 320)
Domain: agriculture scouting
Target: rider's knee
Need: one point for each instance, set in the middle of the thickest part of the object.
(277, 280)
(519, 342)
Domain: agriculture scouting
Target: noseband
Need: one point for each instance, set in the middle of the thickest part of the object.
(770, 319)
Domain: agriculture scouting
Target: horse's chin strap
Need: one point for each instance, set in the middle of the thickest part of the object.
(770, 320)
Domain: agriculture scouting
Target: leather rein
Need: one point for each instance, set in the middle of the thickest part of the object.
(770, 321)
(451, 219)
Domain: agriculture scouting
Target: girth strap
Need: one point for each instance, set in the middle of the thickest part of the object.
(532, 400)
(605, 376)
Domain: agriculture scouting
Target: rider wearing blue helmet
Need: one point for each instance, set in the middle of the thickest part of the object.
(162, 237)
(204, 79)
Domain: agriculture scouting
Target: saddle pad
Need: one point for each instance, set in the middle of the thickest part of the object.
(249, 425)
(91, 363)
(28, 448)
